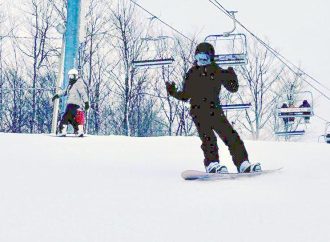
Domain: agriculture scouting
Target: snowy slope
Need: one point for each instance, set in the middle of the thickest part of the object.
(99, 189)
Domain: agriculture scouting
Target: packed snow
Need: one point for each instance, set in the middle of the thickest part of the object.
(114, 188)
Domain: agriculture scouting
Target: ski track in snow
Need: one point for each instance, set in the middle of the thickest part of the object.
(114, 188)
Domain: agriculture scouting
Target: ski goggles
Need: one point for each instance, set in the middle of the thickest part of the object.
(203, 59)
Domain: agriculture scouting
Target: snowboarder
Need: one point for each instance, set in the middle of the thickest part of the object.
(202, 86)
(77, 100)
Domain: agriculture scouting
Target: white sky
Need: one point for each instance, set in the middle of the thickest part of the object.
(298, 29)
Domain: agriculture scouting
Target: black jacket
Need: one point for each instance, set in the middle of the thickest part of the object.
(202, 85)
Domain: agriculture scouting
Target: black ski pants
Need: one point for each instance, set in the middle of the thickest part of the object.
(69, 117)
(212, 120)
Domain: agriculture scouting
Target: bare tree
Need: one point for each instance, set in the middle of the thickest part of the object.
(186, 51)
(126, 40)
(262, 75)
(39, 55)
(14, 91)
(94, 60)
(2, 36)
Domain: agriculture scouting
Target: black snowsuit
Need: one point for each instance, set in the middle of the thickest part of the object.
(202, 86)
(69, 117)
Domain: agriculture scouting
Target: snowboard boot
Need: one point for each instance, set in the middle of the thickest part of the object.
(247, 167)
(215, 167)
(63, 131)
(80, 132)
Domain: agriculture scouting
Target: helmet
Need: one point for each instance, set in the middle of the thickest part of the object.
(73, 74)
(206, 48)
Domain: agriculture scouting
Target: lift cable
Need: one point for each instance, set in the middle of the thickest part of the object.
(163, 22)
(274, 52)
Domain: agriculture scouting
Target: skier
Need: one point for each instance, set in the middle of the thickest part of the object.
(77, 99)
(202, 86)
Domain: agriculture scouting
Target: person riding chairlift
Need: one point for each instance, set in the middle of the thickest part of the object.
(285, 120)
(305, 104)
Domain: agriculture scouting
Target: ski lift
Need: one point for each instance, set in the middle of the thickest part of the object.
(233, 47)
(293, 111)
(235, 104)
(152, 61)
(301, 107)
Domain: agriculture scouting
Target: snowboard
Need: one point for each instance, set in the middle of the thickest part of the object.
(204, 176)
(68, 136)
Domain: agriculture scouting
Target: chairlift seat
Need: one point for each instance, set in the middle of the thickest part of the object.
(295, 112)
(153, 63)
(230, 59)
(290, 133)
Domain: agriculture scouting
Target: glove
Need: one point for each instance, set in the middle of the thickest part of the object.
(171, 88)
(86, 106)
(55, 97)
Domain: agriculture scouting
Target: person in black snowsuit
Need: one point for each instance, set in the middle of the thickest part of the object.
(202, 85)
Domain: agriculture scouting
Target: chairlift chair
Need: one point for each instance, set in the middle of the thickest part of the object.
(297, 110)
(153, 61)
(230, 49)
(294, 114)
(229, 104)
